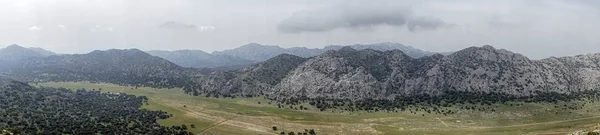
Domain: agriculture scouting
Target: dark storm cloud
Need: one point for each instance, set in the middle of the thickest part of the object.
(357, 14)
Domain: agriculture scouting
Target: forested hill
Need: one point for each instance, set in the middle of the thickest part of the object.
(28, 110)
(128, 67)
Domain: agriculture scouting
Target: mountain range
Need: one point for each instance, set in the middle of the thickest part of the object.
(252, 53)
(345, 73)
(231, 59)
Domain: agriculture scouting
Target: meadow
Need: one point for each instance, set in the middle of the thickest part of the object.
(215, 116)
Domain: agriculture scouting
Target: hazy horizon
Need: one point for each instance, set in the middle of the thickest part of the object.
(536, 28)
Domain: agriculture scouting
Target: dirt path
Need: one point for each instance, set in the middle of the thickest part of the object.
(443, 122)
(215, 125)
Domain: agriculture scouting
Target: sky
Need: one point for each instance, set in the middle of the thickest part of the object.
(535, 28)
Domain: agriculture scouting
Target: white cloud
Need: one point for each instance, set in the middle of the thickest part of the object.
(207, 28)
(62, 27)
(99, 28)
(35, 28)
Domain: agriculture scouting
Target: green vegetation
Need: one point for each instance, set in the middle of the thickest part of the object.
(28, 110)
(247, 116)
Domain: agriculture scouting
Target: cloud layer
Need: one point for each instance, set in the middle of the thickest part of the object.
(358, 14)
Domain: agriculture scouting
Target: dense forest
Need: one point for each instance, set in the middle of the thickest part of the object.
(28, 110)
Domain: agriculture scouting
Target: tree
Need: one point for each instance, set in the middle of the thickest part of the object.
(312, 132)
(274, 128)
(183, 127)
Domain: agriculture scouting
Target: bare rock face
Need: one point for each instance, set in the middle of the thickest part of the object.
(345, 74)
(370, 74)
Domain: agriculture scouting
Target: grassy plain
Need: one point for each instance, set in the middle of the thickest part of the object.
(216, 116)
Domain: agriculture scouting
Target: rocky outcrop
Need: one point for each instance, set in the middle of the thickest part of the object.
(350, 74)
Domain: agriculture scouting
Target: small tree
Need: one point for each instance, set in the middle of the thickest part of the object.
(193, 125)
(274, 128)
(183, 127)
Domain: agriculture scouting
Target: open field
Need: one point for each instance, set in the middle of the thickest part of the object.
(247, 116)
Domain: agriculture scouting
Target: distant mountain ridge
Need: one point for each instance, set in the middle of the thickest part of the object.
(257, 52)
(252, 53)
(200, 59)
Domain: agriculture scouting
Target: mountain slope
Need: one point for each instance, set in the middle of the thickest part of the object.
(127, 67)
(200, 59)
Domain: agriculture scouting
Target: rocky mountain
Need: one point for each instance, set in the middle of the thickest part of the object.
(127, 67)
(200, 59)
(371, 74)
(257, 52)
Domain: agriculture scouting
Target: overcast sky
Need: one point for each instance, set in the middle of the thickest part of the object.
(535, 28)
